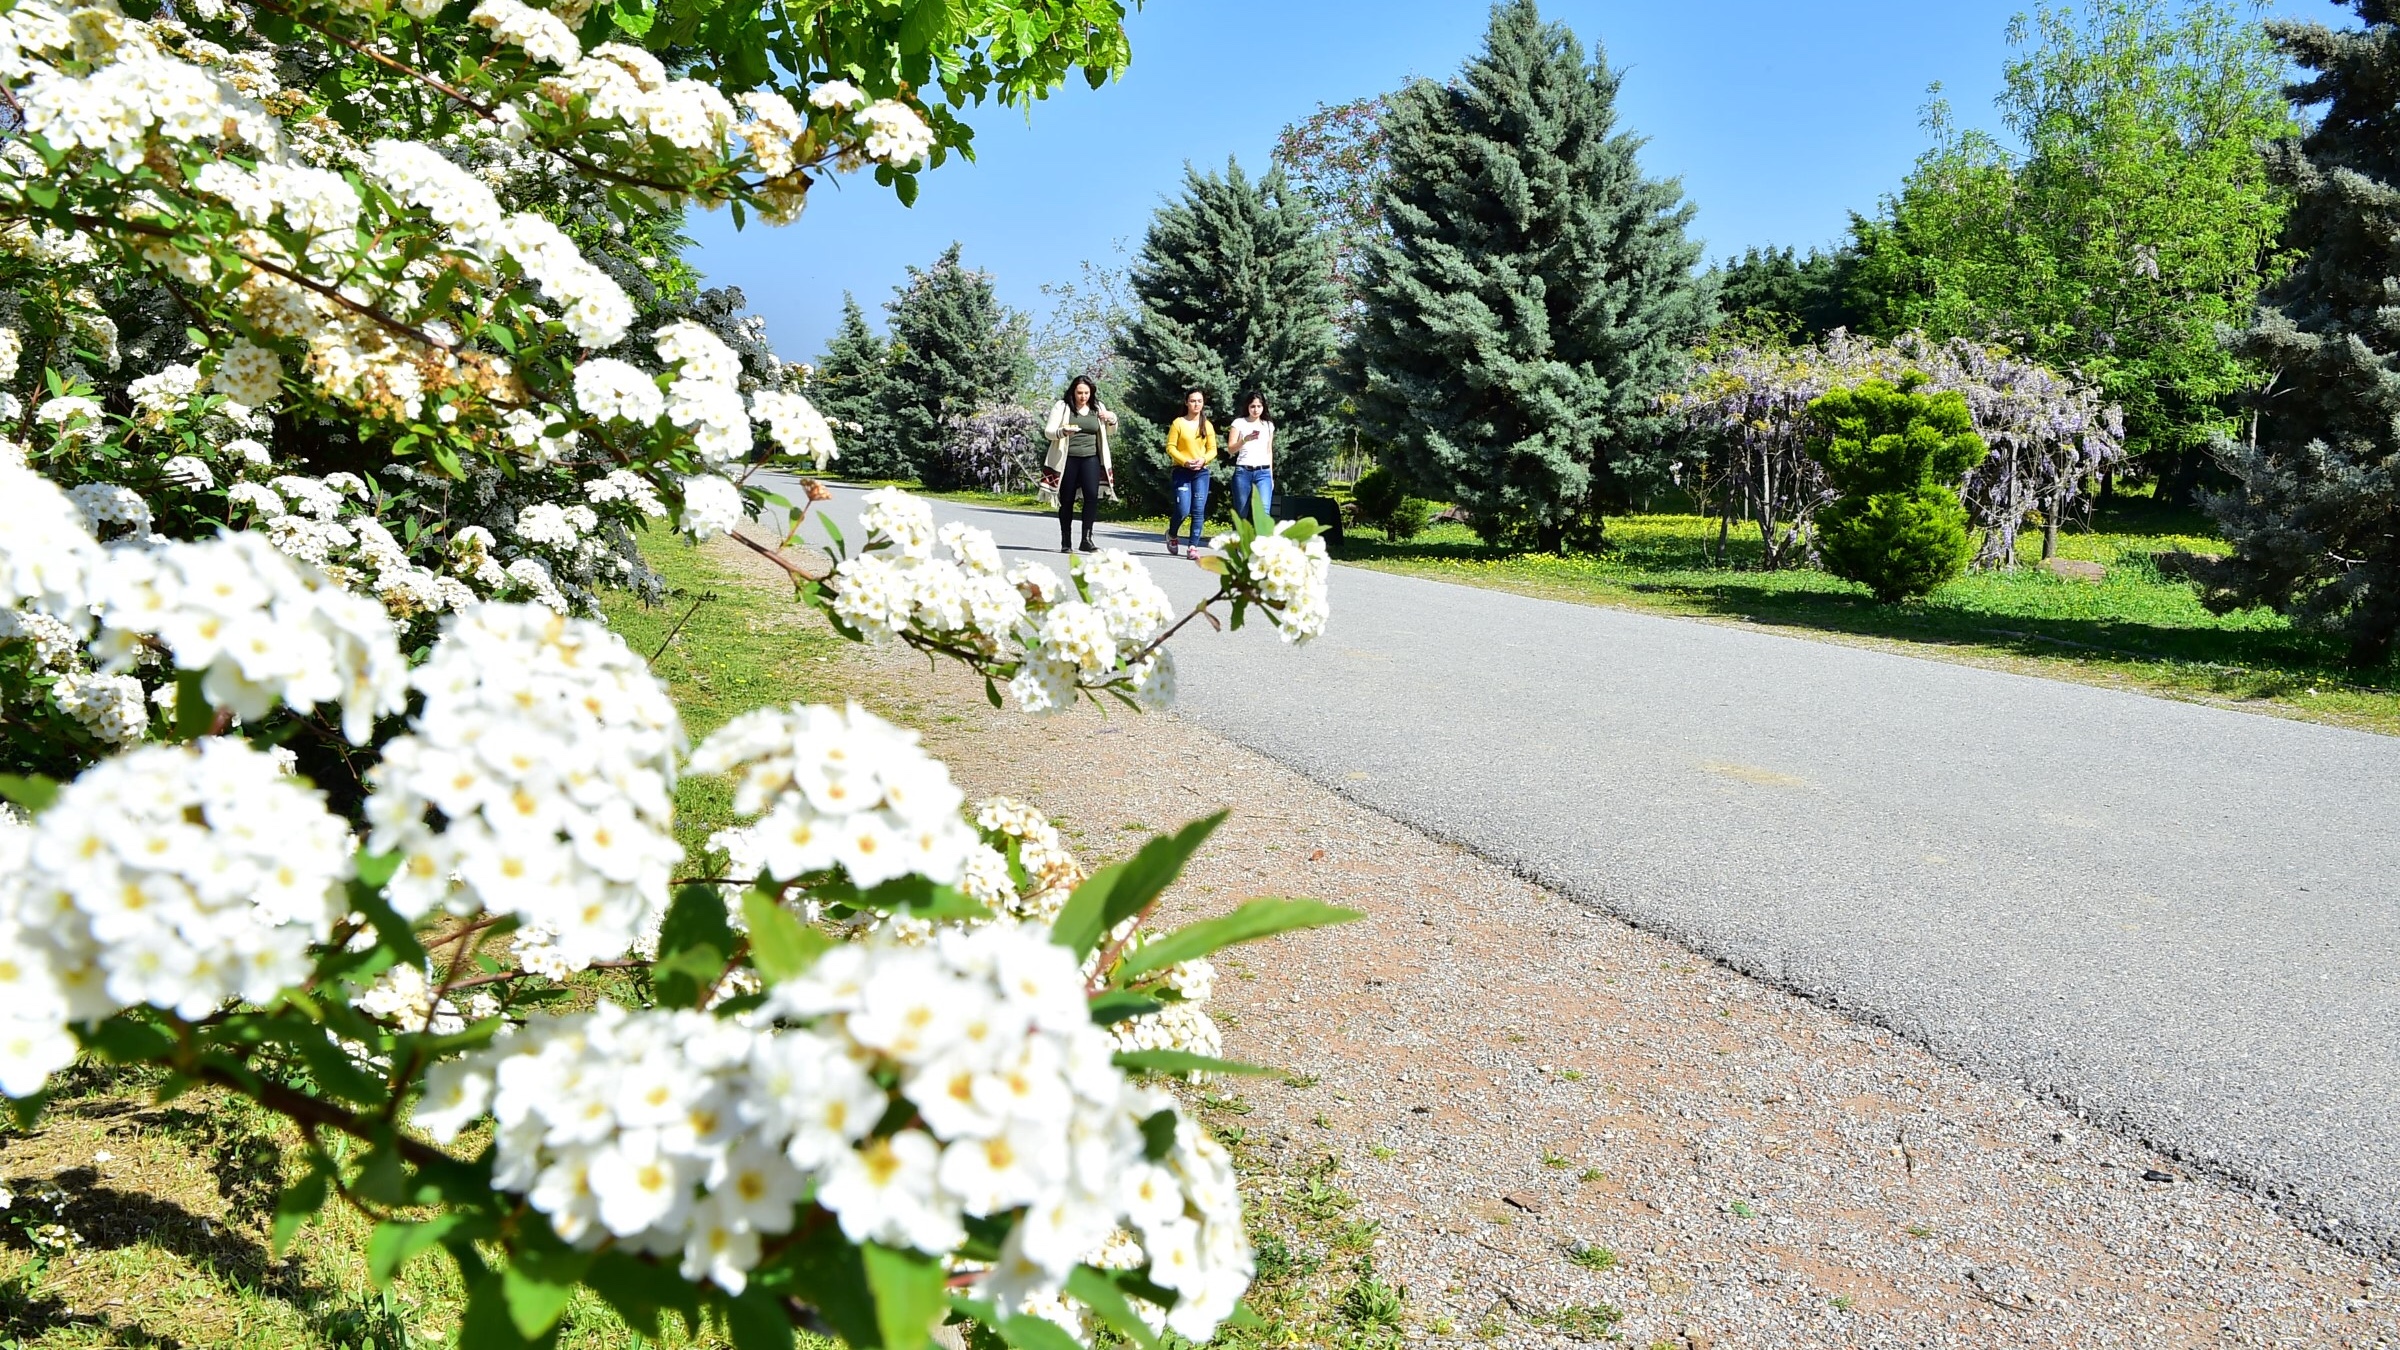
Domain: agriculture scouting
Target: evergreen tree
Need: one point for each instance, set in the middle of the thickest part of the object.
(1533, 293)
(1234, 294)
(955, 352)
(1779, 290)
(2312, 520)
(849, 388)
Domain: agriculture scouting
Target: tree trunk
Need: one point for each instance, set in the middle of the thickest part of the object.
(2050, 514)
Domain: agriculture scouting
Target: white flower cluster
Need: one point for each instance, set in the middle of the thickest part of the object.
(622, 485)
(117, 109)
(548, 749)
(711, 506)
(55, 645)
(678, 1133)
(1051, 872)
(404, 998)
(543, 35)
(157, 397)
(555, 526)
(1292, 578)
(593, 307)
(48, 558)
(262, 630)
(112, 707)
(896, 133)
(1065, 638)
(840, 787)
(705, 396)
(796, 426)
(174, 876)
(105, 504)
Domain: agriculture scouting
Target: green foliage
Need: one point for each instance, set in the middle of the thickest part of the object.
(955, 350)
(2311, 523)
(1233, 296)
(1533, 293)
(1335, 159)
(1891, 451)
(850, 387)
(1383, 502)
(1778, 291)
(2139, 218)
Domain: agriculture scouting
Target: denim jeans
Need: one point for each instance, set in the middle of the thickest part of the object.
(1260, 480)
(1191, 499)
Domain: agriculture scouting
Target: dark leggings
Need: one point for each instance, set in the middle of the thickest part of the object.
(1082, 475)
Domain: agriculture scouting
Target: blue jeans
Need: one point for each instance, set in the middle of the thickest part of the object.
(1260, 480)
(1191, 499)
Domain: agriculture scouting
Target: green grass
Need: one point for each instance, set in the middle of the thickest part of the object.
(2137, 628)
(725, 643)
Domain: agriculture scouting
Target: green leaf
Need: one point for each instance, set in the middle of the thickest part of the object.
(298, 1204)
(395, 1242)
(488, 1324)
(1022, 1333)
(781, 946)
(1096, 1291)
(909, 1295)
(1119, 1005)
(192, 711)
(538, 1284)
(1121, 890)
(639, 1291)
(1184, 1061)
(757, 1321)
(693, 945)
(30, 791)
(130, 1038)
(1255, 920)
(829, 1274)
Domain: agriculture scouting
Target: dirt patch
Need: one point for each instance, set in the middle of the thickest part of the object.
(1550, 1127)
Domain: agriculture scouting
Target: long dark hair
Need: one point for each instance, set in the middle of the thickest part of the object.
(1086, 381)
(1208, 428)
(1259, 397)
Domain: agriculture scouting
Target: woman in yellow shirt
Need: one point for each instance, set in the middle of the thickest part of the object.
(1191, 449)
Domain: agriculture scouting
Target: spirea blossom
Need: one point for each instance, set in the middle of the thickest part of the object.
(548, 751)
(795, 424)
(711, 506)
(1293, 578)
(896, 133)
(543, 35)
(174, 876)
(48, 558)
(840, 788)
(682, 1135)
(262, 630)
(607, 388)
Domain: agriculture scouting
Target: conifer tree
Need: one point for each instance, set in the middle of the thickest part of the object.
(1533, 293)
(955, 351)
(2312, 520)
(1234, 293)
(848, 386)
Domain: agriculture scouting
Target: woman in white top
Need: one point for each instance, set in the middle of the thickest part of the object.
(1252, 441)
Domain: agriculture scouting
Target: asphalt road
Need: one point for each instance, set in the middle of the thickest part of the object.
(2179, 919)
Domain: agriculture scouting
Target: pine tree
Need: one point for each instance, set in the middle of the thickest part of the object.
(1234, 294)
(955, 351)
(1534, 292)
(849, 388)
(2311, 523)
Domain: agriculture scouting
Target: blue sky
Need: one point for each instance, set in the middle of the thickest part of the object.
(1780, 116)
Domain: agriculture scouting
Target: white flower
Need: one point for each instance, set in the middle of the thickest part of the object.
(113, 707)
(607, 388)
(1292, 579)
(547, 749)
(795, 424)
(174, 876)
(543, 35)
(185, 471)
(711, 506)
(248, 374)
(623, 485)
(905, 520)
(836, 95)
(840, 786)
(262, 630)
(896, 133)
(47, 555)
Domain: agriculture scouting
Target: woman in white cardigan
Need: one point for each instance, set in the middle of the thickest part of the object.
(1078, 461)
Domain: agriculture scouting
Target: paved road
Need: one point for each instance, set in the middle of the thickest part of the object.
(2182, 919)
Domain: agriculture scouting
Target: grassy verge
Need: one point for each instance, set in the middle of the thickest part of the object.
(2137, 627)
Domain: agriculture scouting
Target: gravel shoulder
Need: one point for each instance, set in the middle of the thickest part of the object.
(1500, 1076)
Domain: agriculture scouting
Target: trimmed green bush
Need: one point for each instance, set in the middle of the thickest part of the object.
(1381, 501)
(1893, 452)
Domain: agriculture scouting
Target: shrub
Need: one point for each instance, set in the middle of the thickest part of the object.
(1382, 502)
(1891, 451)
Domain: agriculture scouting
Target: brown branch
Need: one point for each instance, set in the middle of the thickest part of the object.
(775, 556)
(481, 110)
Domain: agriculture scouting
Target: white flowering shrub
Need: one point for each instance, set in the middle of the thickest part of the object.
(333, 388)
